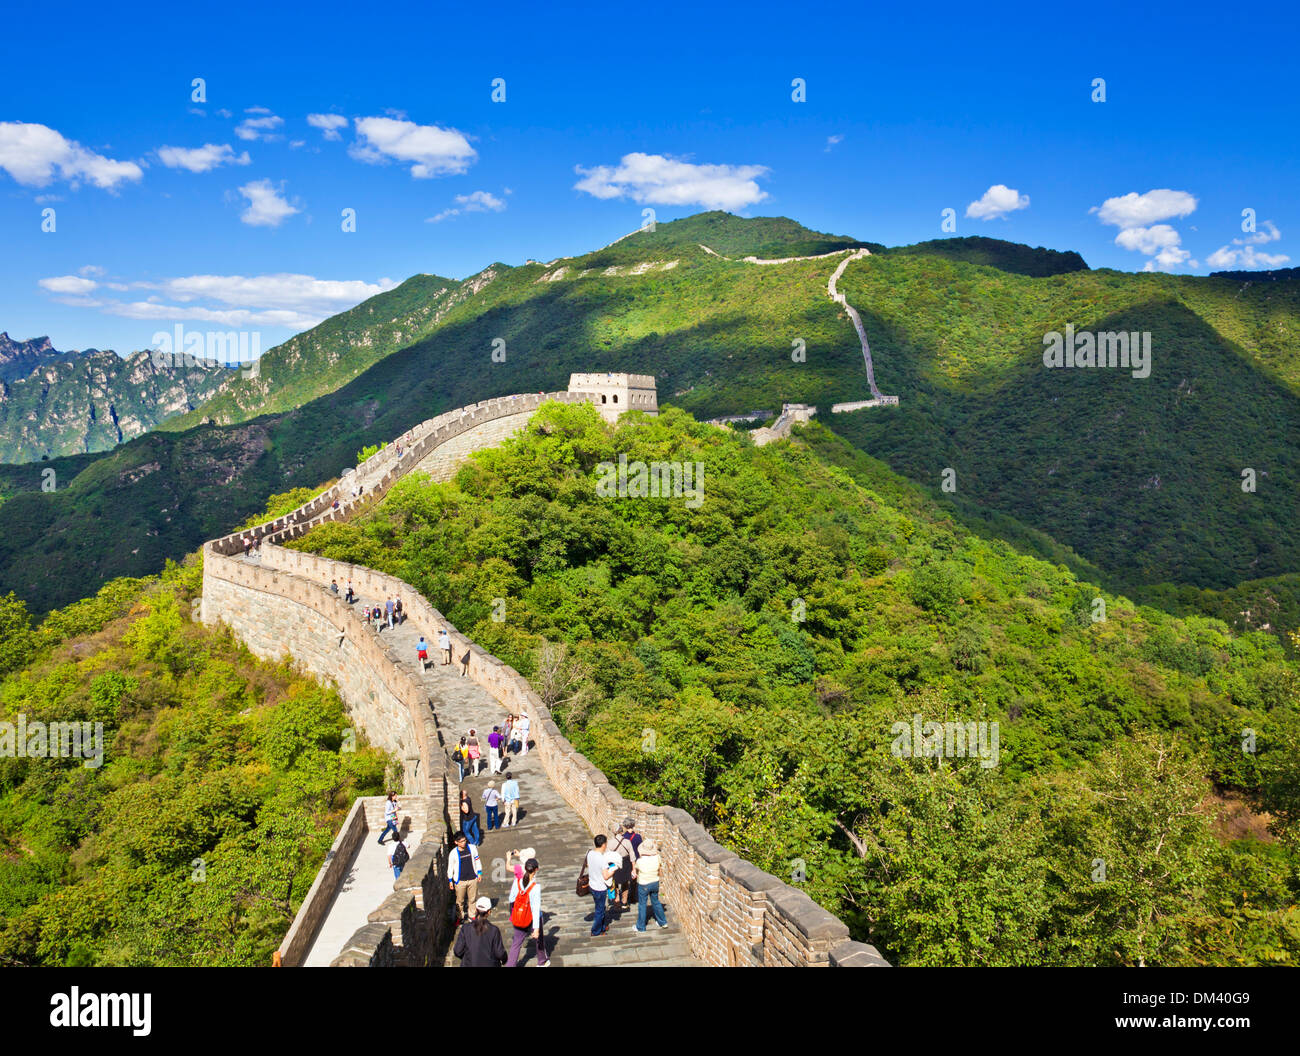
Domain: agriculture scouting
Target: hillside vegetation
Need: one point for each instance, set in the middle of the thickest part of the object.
(749, 660)
(1139, 478)
(222, 783)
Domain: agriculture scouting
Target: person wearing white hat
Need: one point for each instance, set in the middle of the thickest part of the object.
(479, 943)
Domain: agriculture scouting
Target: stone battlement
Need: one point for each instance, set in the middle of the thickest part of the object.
(616, 393)
(732, 913)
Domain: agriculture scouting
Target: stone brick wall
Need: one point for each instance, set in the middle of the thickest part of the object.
(734, 913)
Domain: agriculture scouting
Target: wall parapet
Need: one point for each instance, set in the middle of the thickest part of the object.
(733, 913)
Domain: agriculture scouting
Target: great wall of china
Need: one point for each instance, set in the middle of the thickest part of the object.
(723, 911)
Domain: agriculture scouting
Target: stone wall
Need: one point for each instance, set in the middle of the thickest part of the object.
(733, 913)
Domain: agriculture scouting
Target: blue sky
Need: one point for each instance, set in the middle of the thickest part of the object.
(227, 213)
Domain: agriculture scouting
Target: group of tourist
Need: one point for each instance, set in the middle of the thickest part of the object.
(397, 852)
(630, 867)
(422, 649)
(615, 873)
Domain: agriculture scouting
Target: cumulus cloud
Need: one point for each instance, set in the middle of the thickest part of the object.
(32, 154)
(832, 141)
(201, 159)
(68, 284)
(475, 202)
(996, 202)
(261, 126)
(430, 150)
(1139, 210)
(1259, 238)
(266, 206)
(329, 124)
(284, 299)
(1137, 216)
(657, 179)
(1245, 258)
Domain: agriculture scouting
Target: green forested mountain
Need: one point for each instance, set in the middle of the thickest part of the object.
(67, 403)
(222, 783)
(1137, 478)
(750, 660)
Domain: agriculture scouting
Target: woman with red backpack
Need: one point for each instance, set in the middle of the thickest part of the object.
(525, 910)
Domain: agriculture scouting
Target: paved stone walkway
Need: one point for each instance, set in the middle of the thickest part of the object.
(547, 824)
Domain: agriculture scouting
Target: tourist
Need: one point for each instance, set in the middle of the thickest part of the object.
(647, 871)
(526, 908)
(390, 817)
(510, 797)
(397, 610)
(624, 848)
(514, 744)
(479, 943)
(422, 653)
(599, 872)
(506, 727)
(494, 750)
(444, 643)
(463, 871)
(334, 586)
(523, 733)
(474, 752)
(460, 757)
(469, 819)
(350, 596)
(377, 614)
(398, 856)
(492, 805)
(388, 611)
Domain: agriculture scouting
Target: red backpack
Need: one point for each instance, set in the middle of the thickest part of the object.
(521, 913)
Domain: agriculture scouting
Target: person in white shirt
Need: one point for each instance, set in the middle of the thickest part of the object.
(523, 734)
(600, 871)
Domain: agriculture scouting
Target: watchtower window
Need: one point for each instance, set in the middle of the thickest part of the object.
(602, 398)
(616, 397)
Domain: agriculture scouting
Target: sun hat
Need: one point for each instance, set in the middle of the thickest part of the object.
(483, 904)
(649, 847)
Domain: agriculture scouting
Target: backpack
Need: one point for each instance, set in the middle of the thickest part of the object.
(400, 855)
(521, 913)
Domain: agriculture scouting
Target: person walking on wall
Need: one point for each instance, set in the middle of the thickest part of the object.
(475, 753)
(510, 797)
(492, 805)
(397, 610)
(463, 871)
(469, 819)
(388, 612)
(648, 871)
(390, 818)
(460, 756)
(526, 909)
(422, 653)
(444, 643)
(494, 750)
(599, 874)
(398, 856)
(479, 945)
(523, 733)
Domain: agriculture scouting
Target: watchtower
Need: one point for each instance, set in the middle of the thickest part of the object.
(615, 393)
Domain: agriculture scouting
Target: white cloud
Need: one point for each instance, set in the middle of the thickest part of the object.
(1136, 216)
(31, 153)
(285, 299)
(329, 124)
(997, 201)
(201, 159)
(264, 127)
(832, 141)
(1138, 210)
(657, 179)
(476, 202)
(1259, 238)
(432, 151)
(266, 208)
(68, 284)
(1247, 258)
(91, 270)
(1148, 240)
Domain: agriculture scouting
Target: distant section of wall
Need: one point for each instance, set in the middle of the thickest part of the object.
(442, 462)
